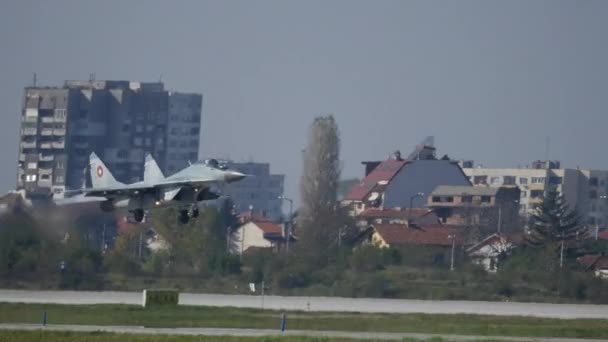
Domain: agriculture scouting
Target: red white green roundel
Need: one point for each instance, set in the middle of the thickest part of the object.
(99, 171)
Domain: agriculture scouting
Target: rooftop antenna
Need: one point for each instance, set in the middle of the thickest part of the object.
(547, 142)
(160, 78)
(91, 77)
(35, 79)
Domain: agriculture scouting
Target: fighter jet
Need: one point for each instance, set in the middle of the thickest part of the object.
(183, 189)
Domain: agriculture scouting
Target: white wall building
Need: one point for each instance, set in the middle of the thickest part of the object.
(584, 190)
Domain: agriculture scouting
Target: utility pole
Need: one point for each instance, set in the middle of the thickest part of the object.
(409, 213)
(561, 255)
(499, 217)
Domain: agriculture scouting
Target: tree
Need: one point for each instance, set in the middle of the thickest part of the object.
(554, 224)
(319, 215)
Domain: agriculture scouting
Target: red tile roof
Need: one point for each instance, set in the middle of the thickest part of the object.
(374, 213)
(598, 262)
(269, 227)
(251, 216)
(434, 235)
(603, 234)
(383, 172)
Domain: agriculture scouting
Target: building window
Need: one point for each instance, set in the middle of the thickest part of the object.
(126, 127)
(139, 128)
(45, 177)
(555, 180)
(59, 165)
(137, 141)
(449, 199)
(523, 194)
(59, 179)
(436, 199)
(495, 180)
(538, 180)
(486, 199)
(467, 199)
(193, 156)
(509, 180)
(148, 142)
(536, 193)
(593, 181)
(31, 166)
(194, 130)
(480, 180)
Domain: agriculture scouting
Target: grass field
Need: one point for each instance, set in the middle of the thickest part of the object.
(191, 316)
(53, 336)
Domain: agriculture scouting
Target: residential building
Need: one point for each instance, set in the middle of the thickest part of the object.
(584, 190)
(256, 232)
(118, 120)
(476, 204)
(598, 264)
(489, 252)
(400, 183)
(261, 192)
(393, 235)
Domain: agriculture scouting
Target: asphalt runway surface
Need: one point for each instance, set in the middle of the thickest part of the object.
(268, 332)
(336, 304)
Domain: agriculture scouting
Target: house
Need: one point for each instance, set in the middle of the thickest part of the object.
(257, 232)
(489, 252)
(401, 183)
(596, 263)
(476, 204)
(418, 216)
(420, 245)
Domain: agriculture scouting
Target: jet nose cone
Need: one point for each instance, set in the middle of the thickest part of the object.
(233, 176)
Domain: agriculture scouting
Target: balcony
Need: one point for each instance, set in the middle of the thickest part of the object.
(29, 131)
(59, 131)
(46, 132)
(46, 157)
(59, 145)
(32, 119)
(21, 157)
(47, 119)
(25, 144)
(45, 171)
(46, 146)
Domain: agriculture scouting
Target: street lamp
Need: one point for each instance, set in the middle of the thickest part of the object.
(288, 230)
(409, 214)
(453, 237)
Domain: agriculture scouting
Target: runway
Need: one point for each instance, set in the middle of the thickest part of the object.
(336, 304)
(268, 332)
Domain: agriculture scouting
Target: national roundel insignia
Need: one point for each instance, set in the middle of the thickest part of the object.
(99, 171)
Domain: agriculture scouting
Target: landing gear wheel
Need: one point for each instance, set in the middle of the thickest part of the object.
(138, 215)
(183, 216)
(195, 212)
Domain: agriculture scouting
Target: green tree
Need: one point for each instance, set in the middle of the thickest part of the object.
(319, 221)
(554, 225)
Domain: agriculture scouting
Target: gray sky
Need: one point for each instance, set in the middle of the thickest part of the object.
(491, 80)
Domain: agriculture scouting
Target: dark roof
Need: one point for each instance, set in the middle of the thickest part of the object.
(433, 235)
(597, 262)
(374, 213)
(383, 172)
(457, 190)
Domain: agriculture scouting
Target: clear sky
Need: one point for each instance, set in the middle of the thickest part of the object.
(491, 80)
